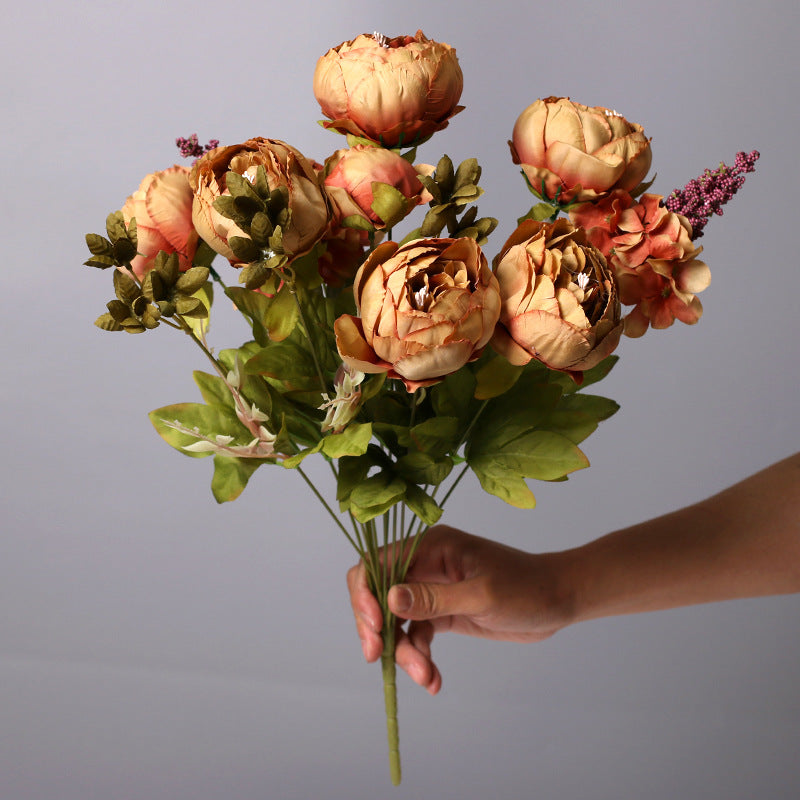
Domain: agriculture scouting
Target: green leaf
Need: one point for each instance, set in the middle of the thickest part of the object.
(287, 362)
(192, 280)
(209, 421)
(125, 287)
(295, 460)
(467, 174)
(357, 222)
(436, 436)
(273, 318)
(495, 377)
(107, 322)
(201, 322)
(591, 376)
(600, 408)
(504, 483)
(422, 504)
(423, 468)
(214, 390)
(231, 476)
(378, 490)
(352, 472)
(540, 212)
(352, 441)
(100, 262)
(244, 248)
(453, 397)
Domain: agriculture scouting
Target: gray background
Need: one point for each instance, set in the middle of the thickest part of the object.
(156, 645)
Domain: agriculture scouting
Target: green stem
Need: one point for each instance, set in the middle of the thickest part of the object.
(330, 511)
(389, 672)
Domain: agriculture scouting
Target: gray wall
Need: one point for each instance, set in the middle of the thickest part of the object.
(154, 645)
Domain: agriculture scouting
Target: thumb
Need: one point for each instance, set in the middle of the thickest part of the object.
(430, 600)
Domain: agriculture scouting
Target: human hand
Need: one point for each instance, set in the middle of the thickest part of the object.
(465, 584)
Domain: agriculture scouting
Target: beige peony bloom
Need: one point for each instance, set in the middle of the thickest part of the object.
(285, 167)
(559, 300)
(162, 207)
(396, 92)
(426, 309)
(579, 152)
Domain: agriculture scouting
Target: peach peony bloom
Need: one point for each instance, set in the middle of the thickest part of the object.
(162, 207)
(285, 167)
(396, 92)
(559, 300)
(425, 309)
(351, 178)
(578, 152)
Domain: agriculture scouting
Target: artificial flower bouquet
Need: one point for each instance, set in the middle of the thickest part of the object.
(404, 362)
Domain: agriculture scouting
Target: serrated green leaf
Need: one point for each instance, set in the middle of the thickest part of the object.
(436, 436)
(495, 377)
(418, 467)
(231, 476)
(378, 490)
(352, 441)
(422, 504)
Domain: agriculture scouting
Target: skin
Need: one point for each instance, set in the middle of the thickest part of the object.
(742, 542)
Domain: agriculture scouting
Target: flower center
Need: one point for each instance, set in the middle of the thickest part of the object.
(381, 39)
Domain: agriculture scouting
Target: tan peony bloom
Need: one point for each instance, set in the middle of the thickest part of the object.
(579, 152)
(285, 167)
(162, 207)
(426, 309)
(396, 92)
(559, 300)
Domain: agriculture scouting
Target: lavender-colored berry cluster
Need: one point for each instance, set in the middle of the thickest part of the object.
(706, 194)
(191, 147)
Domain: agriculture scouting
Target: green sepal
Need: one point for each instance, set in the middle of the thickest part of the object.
(389, 203)
(204, 255)
(352, 441)
(124, 251)
(495, 377)
(467, 174)
(115, 227)
(168, 267)
(422, 504)
(357, 222)
(231, 476)
(445, 177)
(539, 212)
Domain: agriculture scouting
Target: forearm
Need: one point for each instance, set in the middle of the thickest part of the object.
(743, 542)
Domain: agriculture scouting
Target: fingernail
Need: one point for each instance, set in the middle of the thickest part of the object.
(402, 598)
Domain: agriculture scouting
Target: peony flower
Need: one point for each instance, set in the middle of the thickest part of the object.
(426, 308)
(577, 152)
(285, 167)
(162, 207)
(559, 300)
(651, 252)
(396, 92)
(354, 177)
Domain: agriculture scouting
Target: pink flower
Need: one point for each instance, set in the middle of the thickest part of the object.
(162, 207)
(354, 181)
